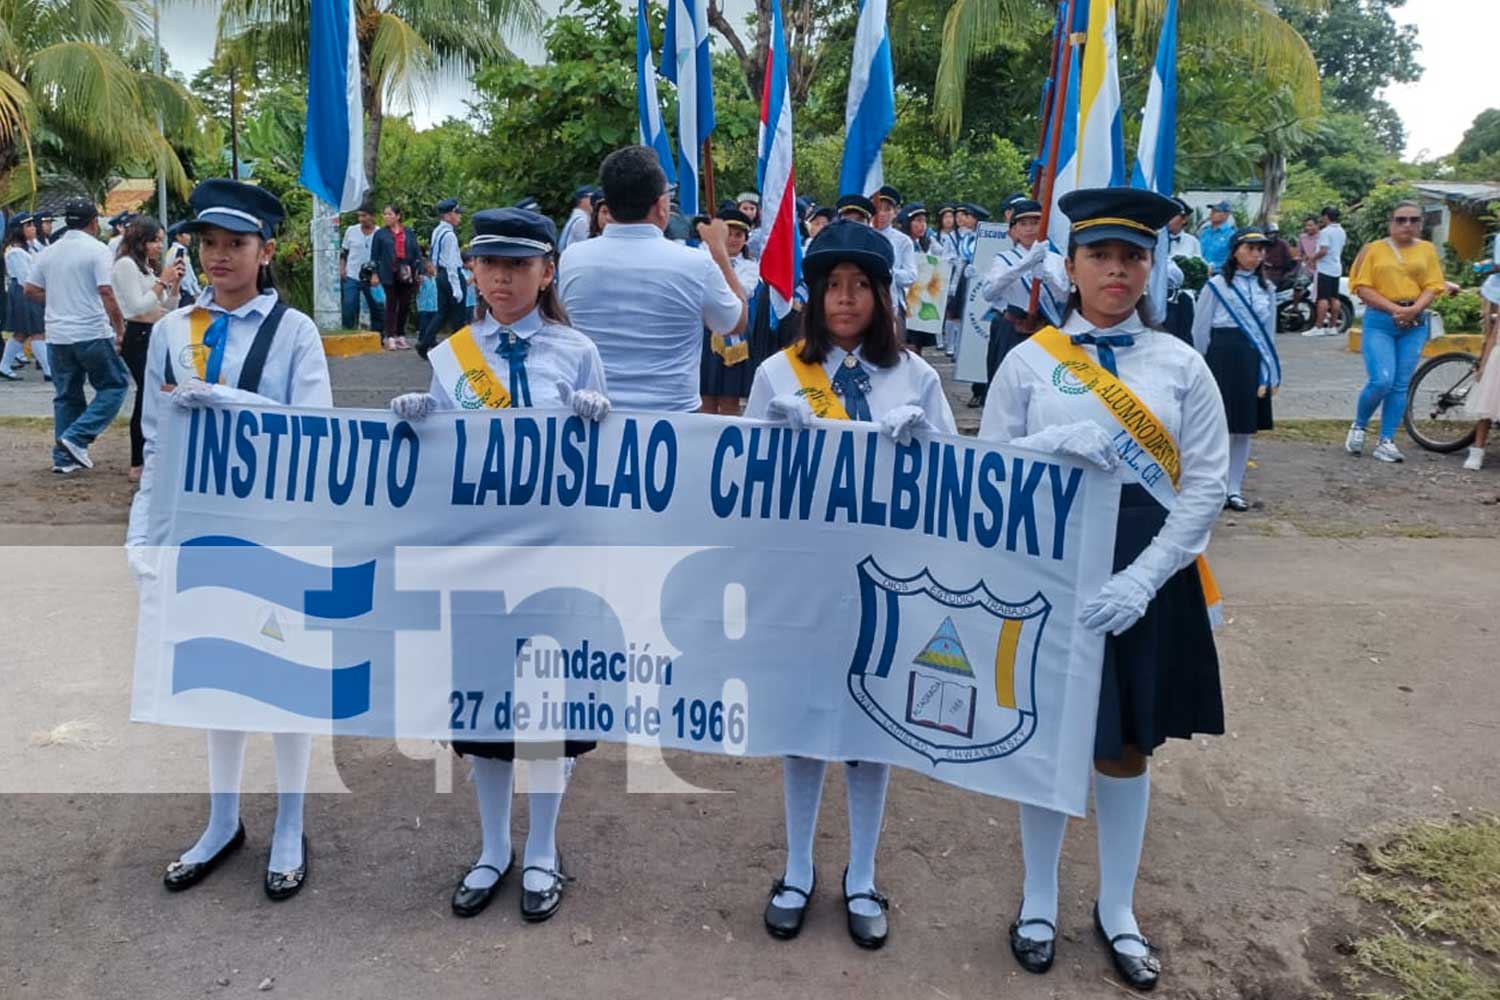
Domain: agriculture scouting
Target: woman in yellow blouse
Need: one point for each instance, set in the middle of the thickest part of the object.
(1396, 278)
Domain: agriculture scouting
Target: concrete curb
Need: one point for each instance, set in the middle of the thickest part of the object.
(1446, 344)
(349, 345)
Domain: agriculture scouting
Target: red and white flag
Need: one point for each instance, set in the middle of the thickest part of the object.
(781, 257)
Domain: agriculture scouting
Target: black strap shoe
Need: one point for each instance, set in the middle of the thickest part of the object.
(1031, 954)
(537, 906)
(1236, 501)
(785, 922)
(182, 875)
(1140, 972)
(867, 932)
(284, 885)
(469, 901)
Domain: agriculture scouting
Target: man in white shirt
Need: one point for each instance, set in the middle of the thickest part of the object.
(576, 229)
(645, 300)
(447, 259)
(1180, 242)
(72, 277)
(354, 256)
(904, 270)
(1330, 264)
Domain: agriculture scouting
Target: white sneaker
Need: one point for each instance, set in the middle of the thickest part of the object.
(1354, 441)
(1316, 331)
(66, 467)
(1386, 451)
(1475, 461)
(79, 452)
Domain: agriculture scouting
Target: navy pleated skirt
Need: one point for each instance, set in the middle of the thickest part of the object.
(22, 316)
(1235, 362)
(1161, 676)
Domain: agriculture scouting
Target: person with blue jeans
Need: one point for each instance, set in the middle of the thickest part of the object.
(354, 279)
(1397, 278)
(73, 278)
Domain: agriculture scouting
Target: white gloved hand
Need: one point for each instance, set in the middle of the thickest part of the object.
(1034, 256)
(142, 568)
(1118, 605)
(790, 409)
(1084, 440)
(899, 422)
(413, 405)
(586, 403)
(196, 393)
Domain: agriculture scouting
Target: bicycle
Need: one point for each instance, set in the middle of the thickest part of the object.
(1437, 415)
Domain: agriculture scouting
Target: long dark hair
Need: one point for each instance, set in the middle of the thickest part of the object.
(141, 231)
(1075, 300)
(1231, 267)
(15, 234)
(879, 345)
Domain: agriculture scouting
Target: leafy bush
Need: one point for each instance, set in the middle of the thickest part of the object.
(1461, 313)
(1194, 271)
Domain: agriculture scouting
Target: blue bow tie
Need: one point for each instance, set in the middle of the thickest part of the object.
(513, 349)
(1106, 344)
(215, 338)
(852, 384)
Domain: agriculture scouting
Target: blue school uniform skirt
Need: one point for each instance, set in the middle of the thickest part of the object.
(1161, 676)
(23, 317)
(1235, 362)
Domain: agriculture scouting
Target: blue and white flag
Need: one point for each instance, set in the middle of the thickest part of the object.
(648, 108)
(1065, 177)
(684, 61)
(1156, 158)
(870, 111)
(333, 150)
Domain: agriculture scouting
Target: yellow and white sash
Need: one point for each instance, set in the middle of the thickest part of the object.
(1153, 460)
(817, 387)
(465, 373)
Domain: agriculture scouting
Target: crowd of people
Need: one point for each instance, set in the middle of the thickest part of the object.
(633, 306)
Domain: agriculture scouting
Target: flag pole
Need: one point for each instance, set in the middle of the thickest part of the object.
(708, 178)
(1057, 47)
(1048, 179)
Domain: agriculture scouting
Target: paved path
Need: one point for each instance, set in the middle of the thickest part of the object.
(1322, 381)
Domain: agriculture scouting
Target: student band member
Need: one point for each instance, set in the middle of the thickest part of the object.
(1012, 276)
(850, 360)
(239, 343)
(1160, 675)
(1235, 329)
(724, 377)
(522, 354)
(24, 318)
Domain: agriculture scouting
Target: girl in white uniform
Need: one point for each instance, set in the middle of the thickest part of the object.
(23, 318)
(849, 350)
(238, 344)
(1160, 674)
(525, 355)
(1235, 329)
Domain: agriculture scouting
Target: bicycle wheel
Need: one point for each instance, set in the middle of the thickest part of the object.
(1437, 414)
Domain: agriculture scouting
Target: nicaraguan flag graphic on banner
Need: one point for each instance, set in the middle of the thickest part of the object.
(648, 108)
(871, 108)
(684, 61)
(1156, 158)
(781, 257)
(333, 151)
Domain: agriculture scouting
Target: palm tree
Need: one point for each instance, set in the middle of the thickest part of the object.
(1247, 28)
(404, 45)
(71, 104)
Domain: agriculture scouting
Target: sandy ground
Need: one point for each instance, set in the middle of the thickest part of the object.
(1359, 673)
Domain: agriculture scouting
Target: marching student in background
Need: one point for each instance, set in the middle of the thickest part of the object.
(1013, 274)
(947, 232)
(240, 343)
(144, 298)
(968, 217)
(1160, 674)
(180, 248)
(542, 362)
(904, 270)
(727, 368)
(446, 270)
(580, 219)
(851, 361)
(1180, 242)
(23, 317)
(912, 221)
(1235, 329)
(816, 220)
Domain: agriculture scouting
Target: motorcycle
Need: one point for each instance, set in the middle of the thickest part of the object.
(1296, 308)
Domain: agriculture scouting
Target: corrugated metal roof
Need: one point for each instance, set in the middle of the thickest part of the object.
(1461, 190)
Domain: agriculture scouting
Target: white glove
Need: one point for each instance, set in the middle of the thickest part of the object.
(196, 393)
(413, 405)
(1033, 257)
(586, 403)
(790, 409)
(1084, 440)
(141, 566)
(899, 422)
(1118, 605)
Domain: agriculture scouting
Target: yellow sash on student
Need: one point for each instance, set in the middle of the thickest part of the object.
(817, 388)
(731, 350)
(199, 320)
(478, 386)
(1137, 420)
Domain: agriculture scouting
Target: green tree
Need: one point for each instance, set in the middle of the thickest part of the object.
(1480, 139)
(71, 104)
(404, 45)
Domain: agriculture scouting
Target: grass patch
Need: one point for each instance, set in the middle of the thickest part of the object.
(1308, 431)
(1424, 971)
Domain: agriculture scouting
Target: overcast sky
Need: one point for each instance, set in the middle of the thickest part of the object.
(1460, 40)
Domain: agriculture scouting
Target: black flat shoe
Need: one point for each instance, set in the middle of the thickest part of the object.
(284, 885)
(1031, 954)
(182, 875)
(469, 901)
(1140, 972)
(867, 932)
(1236, 501)
(785, 922)
(539, 906)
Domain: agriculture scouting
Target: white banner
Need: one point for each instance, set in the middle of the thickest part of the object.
(692, 582)
(927, 298)
(974, 335)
